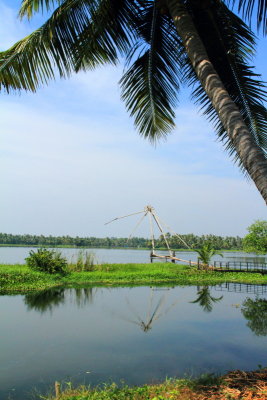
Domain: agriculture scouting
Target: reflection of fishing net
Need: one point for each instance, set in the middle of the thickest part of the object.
(155, 310)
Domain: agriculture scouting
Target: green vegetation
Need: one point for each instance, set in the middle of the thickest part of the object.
(85, 261)
(194, 241)
(205, 253)
(170, 389)
(49, 261)
(256, 240)
(234, 385)
(19, 278)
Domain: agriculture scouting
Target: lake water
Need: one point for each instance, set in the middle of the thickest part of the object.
(139, 335)
(14, 255)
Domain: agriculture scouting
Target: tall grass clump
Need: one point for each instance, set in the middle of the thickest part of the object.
(85, 261)
(45, 260)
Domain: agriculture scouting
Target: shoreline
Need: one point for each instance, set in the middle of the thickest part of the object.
(233, 385)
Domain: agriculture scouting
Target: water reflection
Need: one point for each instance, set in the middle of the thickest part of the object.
(205, 299)
(155, 309)
(48, 300)
(255, 312)
(138, 334)
(83, 296)
(242, 288)
(254, 309)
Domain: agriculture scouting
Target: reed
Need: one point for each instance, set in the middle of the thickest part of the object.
(85, 261)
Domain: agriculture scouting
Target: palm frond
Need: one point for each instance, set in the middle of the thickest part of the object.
(249, 8)
(111, 26)
(230, 45)
(53, 47)
(150, 85)
(29, 7)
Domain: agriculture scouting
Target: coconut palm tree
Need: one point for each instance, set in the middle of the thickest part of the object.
(205, 253)
(201, 43)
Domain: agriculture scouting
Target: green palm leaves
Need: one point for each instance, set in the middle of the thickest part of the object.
(150, 85)
(206, 252)
(82, 34)
(29, 7)
(79, 34)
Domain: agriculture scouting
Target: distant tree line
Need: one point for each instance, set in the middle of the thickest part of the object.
(193, 241)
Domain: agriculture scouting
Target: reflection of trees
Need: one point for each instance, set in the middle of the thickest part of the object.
(255, 311)
(83, 296)
(47, 300)
(205, 299)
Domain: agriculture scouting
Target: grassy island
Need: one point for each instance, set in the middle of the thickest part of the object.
(20, 279)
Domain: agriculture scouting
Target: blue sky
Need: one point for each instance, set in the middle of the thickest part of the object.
(71, 160)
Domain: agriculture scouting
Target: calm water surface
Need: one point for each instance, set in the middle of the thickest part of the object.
(13, 255)
(138, 335)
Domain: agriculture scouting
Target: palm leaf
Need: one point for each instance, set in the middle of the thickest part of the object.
(230, 45)
(112, 28)
(29, 7)
(248, 7)
(74, 26)
(150, 85)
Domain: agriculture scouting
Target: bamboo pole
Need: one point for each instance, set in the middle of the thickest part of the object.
(161, 230)
(186, 261)
(152, 233)
(57, 390)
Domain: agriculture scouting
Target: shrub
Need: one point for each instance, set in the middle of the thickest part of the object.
(48, 261)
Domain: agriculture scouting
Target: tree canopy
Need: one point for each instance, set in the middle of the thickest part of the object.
(256, 239)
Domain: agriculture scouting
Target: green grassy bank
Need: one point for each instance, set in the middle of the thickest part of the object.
(238, 385)
(19, 278)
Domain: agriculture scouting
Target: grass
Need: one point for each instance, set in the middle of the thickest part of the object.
(234, 385)
(19, 278)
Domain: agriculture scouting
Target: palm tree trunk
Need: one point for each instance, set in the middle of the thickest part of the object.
(251, 155)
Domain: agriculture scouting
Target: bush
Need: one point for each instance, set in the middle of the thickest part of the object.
(48, 261)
